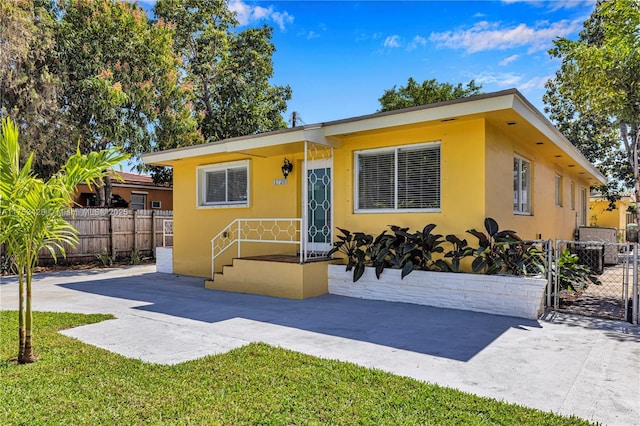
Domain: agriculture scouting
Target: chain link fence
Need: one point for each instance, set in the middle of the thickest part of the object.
(592, 278)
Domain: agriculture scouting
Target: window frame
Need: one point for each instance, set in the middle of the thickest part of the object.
(144, 200)
(356, 187)
(201, 185)
(558, 191)
(584, 206)
(572, 195)
(518, 211)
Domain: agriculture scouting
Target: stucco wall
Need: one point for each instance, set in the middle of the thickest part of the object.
(599, 215)
(474, 153)
(546, 219)
(462, 178)
(194, 227)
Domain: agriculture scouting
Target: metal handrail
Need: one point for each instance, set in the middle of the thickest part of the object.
(257, 231)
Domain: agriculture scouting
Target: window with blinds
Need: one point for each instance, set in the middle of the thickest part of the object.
(225, 184)
(402, 178)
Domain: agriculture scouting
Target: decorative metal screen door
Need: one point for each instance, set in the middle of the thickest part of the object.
(319, 196)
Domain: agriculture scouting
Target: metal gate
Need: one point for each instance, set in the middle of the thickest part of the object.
(595, 278)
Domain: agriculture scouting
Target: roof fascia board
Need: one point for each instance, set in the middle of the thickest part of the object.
(437, 113)
(243, 143)
(134, 186)
(540, 122)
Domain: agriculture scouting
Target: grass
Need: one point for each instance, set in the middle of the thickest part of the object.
(77, 384)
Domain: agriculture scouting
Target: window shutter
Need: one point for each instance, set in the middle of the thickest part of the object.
(216, 187)
(419, 178)
(376, 180)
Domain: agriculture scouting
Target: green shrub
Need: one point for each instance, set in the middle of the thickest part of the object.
(498, 251)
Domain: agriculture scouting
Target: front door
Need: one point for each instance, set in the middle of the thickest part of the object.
(319, 207)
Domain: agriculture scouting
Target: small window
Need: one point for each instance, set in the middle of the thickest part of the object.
(558, 191)
(572, 195)
(521, 185)
(138, 202)
(404, 178)
(156, 205)
(224, 185)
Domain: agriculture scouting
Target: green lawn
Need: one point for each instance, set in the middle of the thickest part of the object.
(76, 384)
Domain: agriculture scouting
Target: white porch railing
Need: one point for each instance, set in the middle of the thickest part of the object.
(268, 230)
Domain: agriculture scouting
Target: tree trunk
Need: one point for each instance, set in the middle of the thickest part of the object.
(636, 172)
(100, 198)
(28, 356)
(21, 316)
(107, 190)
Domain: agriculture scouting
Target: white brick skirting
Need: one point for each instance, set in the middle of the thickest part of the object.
(164, 260)
(493, 294)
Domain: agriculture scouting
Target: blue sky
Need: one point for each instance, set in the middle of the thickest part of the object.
(340, 56)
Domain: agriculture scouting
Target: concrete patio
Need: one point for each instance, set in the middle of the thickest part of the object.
(562, 363)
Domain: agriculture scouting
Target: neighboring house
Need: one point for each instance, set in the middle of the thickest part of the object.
(136, 192)
(451, 163)
(619, 217)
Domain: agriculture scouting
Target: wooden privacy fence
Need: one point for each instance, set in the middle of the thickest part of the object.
(116, 232)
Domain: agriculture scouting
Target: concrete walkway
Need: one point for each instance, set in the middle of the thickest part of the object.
(563, 363)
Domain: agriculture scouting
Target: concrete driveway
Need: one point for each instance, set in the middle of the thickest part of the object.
(566, 364)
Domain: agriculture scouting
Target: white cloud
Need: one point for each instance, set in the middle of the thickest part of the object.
(417, 42)
(534, 83)
(486, 35)
(247, 14)
(312, 34)
(508, 60)
(392, 41)
(499, 79)
(508, 80)
(554, 5)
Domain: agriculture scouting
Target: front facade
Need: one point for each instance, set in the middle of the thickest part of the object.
(451, 164)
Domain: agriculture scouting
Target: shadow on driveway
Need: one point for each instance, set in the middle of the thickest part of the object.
(447, 333)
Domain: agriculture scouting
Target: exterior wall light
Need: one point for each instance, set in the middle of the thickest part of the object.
(287, 168)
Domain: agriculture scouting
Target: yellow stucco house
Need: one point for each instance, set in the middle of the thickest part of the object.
(601, 216)
(451, 163)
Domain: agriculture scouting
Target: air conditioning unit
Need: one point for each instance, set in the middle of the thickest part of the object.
(156, 204)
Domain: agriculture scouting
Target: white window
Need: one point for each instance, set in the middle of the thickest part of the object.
(583, 206)
(521, 185)
(138, 202)
(224, 185)
(572, 195)
(402, 178)
(558, 191)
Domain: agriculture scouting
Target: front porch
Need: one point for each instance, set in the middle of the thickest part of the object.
(274, 275)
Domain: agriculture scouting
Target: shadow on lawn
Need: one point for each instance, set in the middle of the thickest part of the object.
(447, 333)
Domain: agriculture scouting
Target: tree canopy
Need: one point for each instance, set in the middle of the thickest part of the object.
(228, 70)
(594, 97)
(429, 92)
(29, 89)
(103, 73)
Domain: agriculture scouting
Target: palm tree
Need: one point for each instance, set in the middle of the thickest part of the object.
(31, 214)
